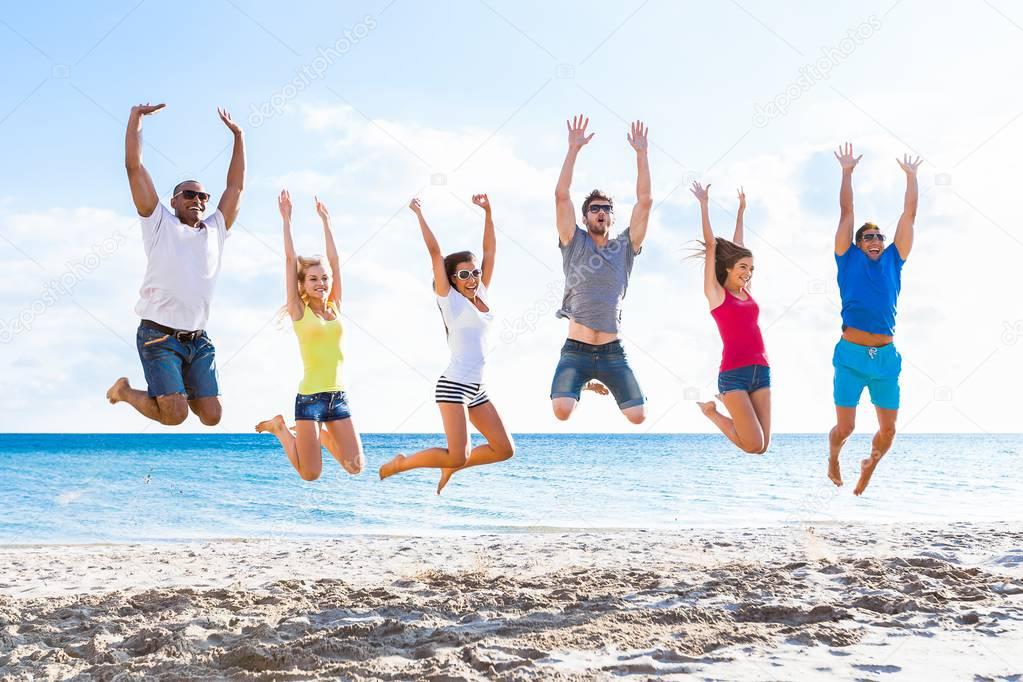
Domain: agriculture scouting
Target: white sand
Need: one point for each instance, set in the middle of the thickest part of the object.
(791, 603)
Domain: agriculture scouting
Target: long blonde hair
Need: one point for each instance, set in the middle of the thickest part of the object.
(302, 264)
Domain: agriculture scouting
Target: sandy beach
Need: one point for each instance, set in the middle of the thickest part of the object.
(861, 602)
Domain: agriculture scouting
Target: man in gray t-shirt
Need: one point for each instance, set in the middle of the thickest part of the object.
(597, 269)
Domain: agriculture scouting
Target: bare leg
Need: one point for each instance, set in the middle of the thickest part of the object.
(343, 442)
(456, 428)
(498, 448)
(170, 410)
(743, 428)
(762, 406)
(635, 414)
(837, 438)
(878, 448)
(207, 409)
(302, 447)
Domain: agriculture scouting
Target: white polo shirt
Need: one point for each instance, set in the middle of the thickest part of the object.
(182, 267)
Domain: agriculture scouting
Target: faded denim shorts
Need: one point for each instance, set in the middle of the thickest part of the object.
(322, 407)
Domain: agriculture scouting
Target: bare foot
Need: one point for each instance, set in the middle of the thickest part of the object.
(708, 408)
(596, 387)
(867, 470)
(392, 467)
(834, 471)
(115, 393)
(274, 426)
(445, 476)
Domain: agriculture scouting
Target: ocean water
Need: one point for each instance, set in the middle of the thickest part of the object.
(129, 488)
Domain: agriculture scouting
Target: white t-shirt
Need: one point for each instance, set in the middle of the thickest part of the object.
(468, 332)
(182, 267)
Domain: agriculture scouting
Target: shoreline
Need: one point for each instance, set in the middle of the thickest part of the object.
(855, 600)
(499, 531)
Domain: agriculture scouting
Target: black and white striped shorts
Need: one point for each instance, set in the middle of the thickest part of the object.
(470, 395)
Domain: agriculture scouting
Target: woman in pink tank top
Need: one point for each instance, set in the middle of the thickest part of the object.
(744, 378)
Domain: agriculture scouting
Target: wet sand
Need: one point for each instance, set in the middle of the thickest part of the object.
(860, 602)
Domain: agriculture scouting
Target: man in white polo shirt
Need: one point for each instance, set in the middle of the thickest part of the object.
(183, 252)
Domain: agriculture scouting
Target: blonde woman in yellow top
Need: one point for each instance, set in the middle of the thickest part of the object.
(321, 406)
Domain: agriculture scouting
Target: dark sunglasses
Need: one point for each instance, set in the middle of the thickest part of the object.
(466, 274)
(606, 208)
(190, 194)
(871, 236)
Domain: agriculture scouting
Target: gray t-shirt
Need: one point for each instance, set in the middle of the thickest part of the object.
(596, 279)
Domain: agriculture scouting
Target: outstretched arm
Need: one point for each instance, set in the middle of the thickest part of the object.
(440, 278)
(644, 200)
(332, 259)
(235, 172)
(904, 232)
(738, 237)
(577, 138)
(294, 302)
(143, 192)
(714, 292)
(489, 238)
(844, 235)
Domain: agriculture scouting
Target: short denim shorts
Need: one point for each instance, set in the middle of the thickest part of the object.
(173, 367)
(750, 378)
(322, 407)
(581, 362)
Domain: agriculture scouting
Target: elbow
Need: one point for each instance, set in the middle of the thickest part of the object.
(645, 201)
(562, 194)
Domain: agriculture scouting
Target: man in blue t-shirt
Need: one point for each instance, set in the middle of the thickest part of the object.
(869, 279)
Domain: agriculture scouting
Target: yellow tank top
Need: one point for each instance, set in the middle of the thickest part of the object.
(319, 341)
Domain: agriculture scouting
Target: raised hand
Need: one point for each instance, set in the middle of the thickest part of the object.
(742, 199)
(321, 210)
(284, 204)
(225, 116)
(701, 193)
(482, 201)
(637, 136)
(577, 136)
(146, 109)
(416, 206)
(845, 156)
(909, 164)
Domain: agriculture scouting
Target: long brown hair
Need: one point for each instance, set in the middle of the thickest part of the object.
(726, 255)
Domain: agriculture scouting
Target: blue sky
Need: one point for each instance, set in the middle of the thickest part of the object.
(477, 93)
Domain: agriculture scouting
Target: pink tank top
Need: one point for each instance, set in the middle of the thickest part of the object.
(740, 333)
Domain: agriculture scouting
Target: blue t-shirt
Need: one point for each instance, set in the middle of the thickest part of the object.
(870, 289)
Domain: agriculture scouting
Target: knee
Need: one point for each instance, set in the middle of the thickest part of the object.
(506, 451)
(173, 414)
(562, 411)
(755, 447)
(887, 431)
(309, 474)
(210, 417)
(767, 444)
(843, 431)
(637, 417)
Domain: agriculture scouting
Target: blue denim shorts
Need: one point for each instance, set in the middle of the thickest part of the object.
(173, 367)
(322, 407)
(750, 378)
(876, 369)
(581, 362)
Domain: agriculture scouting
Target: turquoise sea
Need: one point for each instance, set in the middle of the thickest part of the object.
(128, 488)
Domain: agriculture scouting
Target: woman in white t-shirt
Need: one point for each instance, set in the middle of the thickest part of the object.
(461, 289)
